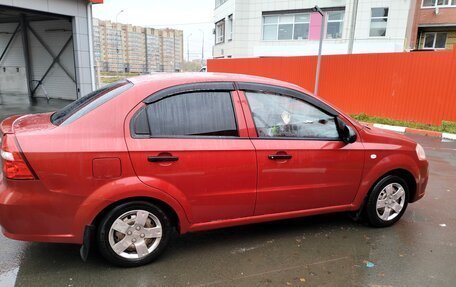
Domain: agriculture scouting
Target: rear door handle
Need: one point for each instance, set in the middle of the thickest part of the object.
(162, 158)
(280, 156)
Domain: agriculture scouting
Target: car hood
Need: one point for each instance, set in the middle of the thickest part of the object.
(373, 134)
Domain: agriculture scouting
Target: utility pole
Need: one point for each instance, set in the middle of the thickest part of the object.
(188, 47)
(320, 48)
(202, 50)
(118, 40)
(351, 40)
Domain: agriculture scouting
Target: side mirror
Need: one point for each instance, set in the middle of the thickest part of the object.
(347, 133)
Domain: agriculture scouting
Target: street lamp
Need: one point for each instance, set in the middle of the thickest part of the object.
(322, 35)
(188, 47)
(118, 40)
(202, 49)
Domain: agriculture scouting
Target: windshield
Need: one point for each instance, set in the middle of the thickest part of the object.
(96, 98)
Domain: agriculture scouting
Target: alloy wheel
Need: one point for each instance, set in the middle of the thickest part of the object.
(135, 234)
(390, 201)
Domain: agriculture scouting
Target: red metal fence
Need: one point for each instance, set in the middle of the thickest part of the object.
(416, 86)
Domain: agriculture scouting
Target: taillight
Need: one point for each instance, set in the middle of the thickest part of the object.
(14, 165)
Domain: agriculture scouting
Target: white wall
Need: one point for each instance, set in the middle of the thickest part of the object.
(397, 20)
(247, 37)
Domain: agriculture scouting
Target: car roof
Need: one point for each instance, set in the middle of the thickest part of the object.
(174, 79)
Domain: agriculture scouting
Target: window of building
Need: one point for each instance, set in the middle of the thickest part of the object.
(220, 32)
(229, 28)
(189, 114)
(335, 24)
(219, 3)
(379, 21)
(286, 27)
(435, 40)
(282, 116)
(438, 3)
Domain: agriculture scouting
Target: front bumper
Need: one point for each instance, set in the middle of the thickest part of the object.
(422, 180)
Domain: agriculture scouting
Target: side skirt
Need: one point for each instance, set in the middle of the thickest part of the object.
(269, 217)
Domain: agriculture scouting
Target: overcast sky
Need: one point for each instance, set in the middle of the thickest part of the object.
(188, 15)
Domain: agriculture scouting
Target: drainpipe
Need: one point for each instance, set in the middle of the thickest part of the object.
(91, 60)
(28, 65)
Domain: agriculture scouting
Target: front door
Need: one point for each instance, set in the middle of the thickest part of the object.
(192, 145)
(302, 163)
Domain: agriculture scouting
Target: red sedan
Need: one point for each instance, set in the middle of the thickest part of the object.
(132, 162)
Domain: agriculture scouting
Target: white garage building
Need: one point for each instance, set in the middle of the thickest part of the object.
(45, 49)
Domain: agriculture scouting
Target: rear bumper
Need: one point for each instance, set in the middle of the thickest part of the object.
(422, 180)
(30, 213)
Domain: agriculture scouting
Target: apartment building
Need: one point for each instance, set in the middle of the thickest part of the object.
(172, 47)
(136, 48)
(434, 25)
(153, 50)
(110, 46)
(127, 48)
(257, 28)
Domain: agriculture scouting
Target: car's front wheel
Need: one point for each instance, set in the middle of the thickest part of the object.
(133, 234)
(387, 202)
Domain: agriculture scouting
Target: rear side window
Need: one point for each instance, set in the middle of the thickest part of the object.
(89, 102)
(188, 114)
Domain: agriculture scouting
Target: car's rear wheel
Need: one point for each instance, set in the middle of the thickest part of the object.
(387, 202)
(133, 234)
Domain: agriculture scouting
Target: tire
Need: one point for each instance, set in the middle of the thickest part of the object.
(133, 234)
(387, 203)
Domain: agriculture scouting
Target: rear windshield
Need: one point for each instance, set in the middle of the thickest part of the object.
(89, 102)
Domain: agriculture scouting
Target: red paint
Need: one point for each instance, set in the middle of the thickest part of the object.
(86, 166)
(417, 86)
(105, 168)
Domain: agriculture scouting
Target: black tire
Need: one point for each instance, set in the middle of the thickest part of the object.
(103, 233)
(372, 215)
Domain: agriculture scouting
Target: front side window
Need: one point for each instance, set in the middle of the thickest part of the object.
(278, 116)
(189, 114)
(379, 21)
(335, 24)
(220, 32)
(286, 27)
(435, 40)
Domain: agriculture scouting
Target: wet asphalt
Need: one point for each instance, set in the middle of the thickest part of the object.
(329, 250)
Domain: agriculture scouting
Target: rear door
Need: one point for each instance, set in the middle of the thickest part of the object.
(302, 163)
(194, 146)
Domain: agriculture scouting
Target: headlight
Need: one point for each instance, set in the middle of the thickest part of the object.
(420, 152)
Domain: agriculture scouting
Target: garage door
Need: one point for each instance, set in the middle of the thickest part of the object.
(50, 61)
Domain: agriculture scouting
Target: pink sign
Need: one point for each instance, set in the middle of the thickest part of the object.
(315, 26)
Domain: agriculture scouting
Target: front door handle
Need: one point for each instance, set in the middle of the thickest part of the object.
(162, 158)
(280, 156)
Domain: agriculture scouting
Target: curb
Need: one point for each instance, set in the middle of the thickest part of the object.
(406, 130)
